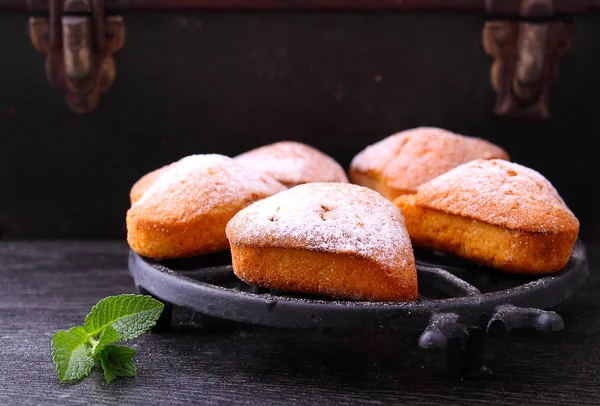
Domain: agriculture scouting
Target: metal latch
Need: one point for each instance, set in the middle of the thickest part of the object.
(527, 53)
(78, 42)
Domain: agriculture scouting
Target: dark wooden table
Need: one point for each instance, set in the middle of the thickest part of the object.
(46, 286)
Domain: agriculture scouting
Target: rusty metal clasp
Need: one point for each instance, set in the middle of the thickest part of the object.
(79, 43)
(526, 55)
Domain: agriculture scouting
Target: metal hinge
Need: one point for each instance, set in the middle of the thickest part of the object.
(527, 52)
(78, 42)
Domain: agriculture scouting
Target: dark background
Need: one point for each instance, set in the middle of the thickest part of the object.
(228, 82)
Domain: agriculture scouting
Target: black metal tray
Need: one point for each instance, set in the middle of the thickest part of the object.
(459, 301)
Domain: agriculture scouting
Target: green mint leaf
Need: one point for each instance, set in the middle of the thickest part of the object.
(130, 315)
(116, 361)
(76, 351)
(71, 352)
(108, 336)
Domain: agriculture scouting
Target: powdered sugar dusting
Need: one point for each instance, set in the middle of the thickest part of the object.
(410, 158)
(500, 193)
(140, 187)
(201, 183)
(376, 156)
(293, 163)
(327, 217)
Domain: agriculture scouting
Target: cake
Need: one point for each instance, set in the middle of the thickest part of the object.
(402, 162)
(293, 163)
(494, 212)
(185, 210)
(332, 239)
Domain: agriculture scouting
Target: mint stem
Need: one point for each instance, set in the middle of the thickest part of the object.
(93, 342)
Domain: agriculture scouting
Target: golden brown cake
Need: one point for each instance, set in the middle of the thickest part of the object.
(140, 187)
(333, 239)
(400, 163)
(494, 212)
(293, 163)
(185, 211)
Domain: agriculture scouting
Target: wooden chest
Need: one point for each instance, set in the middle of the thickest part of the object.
(95, 93)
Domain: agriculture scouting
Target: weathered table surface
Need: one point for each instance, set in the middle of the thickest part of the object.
(46, 286)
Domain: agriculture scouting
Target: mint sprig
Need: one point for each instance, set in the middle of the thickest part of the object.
(115, 318)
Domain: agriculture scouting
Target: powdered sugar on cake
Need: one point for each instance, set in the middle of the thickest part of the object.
(293, 163)
(500, 193)
(410, 158)
(375, 157)
(199, 183)
(335, 218)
